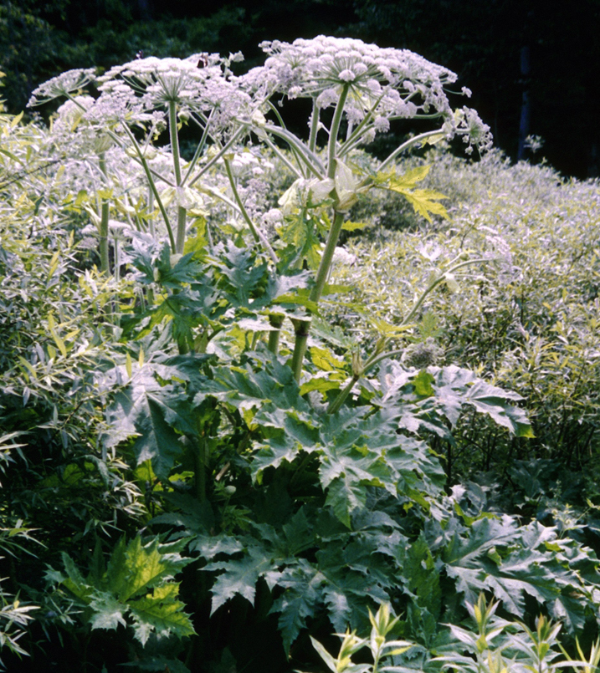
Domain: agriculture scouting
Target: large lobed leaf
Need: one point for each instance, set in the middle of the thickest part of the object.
(135, 588)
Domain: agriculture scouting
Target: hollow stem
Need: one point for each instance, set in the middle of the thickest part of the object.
(301, 332)
(327, 257)
(302, 327)
(334, 130)
(181, 211)
(104, 216)
(314, 128)
(276, 321)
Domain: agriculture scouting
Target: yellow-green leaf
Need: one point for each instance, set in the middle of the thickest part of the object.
(355, 226)
(410, 178)
(424, 201)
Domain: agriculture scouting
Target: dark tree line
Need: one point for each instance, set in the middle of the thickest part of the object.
(532, 65)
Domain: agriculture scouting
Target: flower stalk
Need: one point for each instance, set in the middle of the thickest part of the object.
(181, 211)
(104, 217)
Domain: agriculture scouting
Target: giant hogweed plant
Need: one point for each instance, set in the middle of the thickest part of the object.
(295, 472)
(366, 86)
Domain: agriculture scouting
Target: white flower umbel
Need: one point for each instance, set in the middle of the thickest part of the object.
(199, 89)
(399, 82)
(62, 85)
(197, 85)
(379, 85)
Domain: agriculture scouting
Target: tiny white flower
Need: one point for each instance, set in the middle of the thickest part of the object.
(326, 98)
(347, 75)
(381, 124)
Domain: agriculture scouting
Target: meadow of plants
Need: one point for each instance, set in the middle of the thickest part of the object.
(281, 395)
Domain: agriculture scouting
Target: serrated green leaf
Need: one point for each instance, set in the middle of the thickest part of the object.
(149, 410)
(145, 567)
(209, 546)
(424, 201)
(136, 584)
(108, 612)
(161, 612)
(423, 577)
(302, 594)
(410, 178)
(239, 577)
(324, 359)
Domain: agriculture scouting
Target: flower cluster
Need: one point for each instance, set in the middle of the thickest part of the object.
(398, 82)
(196, 84)
(62, 85)
(467, 124)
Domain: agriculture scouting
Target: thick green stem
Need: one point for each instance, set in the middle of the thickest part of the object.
(181, 211)
(336, 404)
(302, 327)
(104, 216)
(276, 321)
(327, 258)
(302, 330)
(151, 225)
(181, 222)
(117, 262)
(174, 141)
(334, 130)
(314, 128)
